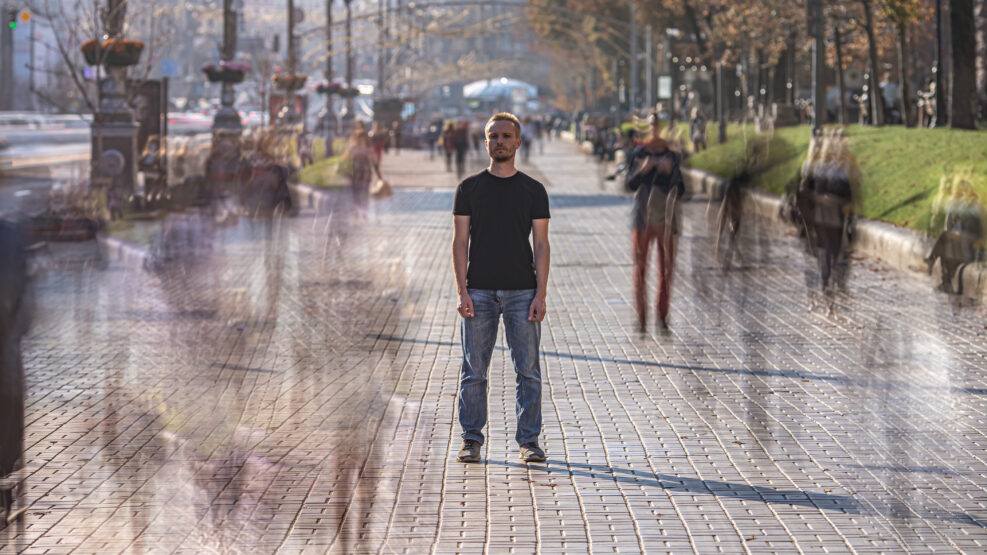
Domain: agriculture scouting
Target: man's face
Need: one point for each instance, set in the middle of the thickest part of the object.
(502, 140)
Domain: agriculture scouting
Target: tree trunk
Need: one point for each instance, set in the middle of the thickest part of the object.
(840, 82)
(876, 100)
(906, 98)
(721, 109)
(963, 92)
(980, 19)
(690, 15)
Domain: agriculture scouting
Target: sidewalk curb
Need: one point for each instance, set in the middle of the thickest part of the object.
(903, 249)
(312, 197)
(113, 250)
(131, 255)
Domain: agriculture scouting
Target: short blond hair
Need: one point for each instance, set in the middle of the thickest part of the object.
(503, 116)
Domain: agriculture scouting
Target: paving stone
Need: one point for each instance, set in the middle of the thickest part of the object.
(291, 386)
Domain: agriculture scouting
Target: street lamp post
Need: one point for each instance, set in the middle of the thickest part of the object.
(649, 68)
(940, 116)
(289, 93)
(349, 58)
(330, 116)
(227, 119)
(818, 59)
(114, 131)
(633, 56)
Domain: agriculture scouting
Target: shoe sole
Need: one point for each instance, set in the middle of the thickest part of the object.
(533, 458)
(469, 459)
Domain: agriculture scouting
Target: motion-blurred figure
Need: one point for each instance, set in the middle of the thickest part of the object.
(379, 138)
(14, 320)
(395, 139)
(361, 163)
(432, 137)
(762, 152)
(729, 216)
(961, 239)
(449, 143)
(461, 140)
(266, 188)
(305, 150)
(697, 130)
(655, 175)
(826, 203)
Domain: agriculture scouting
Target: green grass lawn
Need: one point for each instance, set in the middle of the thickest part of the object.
(901, 167)
(324, 173)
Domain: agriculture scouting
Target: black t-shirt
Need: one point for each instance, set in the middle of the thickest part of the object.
(500, 211)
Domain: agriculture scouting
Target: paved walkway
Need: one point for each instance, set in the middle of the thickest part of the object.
(291, 386)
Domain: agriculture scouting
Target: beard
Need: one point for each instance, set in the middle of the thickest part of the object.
(503, 156)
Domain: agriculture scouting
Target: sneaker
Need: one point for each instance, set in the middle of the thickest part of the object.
(470, 452)
(530, 452)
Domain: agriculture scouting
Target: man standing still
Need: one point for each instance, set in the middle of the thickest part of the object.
(498, 274)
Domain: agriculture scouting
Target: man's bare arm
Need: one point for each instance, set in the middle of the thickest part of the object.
(460, 258)
(542, 254)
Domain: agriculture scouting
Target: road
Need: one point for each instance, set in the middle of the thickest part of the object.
(291, 386)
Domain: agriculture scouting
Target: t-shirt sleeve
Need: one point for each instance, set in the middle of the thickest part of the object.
(539, 210)
(461, 204)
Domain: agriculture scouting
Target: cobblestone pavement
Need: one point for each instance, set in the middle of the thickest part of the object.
(291, 386)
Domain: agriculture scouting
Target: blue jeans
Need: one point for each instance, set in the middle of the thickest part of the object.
(479, 336)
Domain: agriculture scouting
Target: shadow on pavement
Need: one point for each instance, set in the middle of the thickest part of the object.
(745, 492)
(762, 373)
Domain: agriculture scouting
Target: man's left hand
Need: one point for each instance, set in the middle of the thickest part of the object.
(537, 311)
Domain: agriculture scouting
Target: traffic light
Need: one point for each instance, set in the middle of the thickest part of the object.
(12, 18)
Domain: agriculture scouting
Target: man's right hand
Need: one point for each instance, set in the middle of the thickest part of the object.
(465, 305)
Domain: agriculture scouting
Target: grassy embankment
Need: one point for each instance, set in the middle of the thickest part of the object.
(324, 172)
(901, 167)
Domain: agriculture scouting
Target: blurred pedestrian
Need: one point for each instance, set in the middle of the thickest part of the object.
(360, 163)
(432, 137)
(476, 137)
(449, 144)
(697, 130)
(962, 238)
(304, 150)
(266, 189)
(14, 321)
(499, 275)
(830, 195)
(655, 175)
(927, 104)
(379, 138)
(395, 138)
(461, 143)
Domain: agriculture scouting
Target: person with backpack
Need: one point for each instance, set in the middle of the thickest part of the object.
(449, 143)
(829, 207)
(655, 176)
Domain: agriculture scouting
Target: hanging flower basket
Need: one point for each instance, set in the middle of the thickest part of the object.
(91, 51)
(286, 81)
(226, 72)
(121, 52)
(328, 88)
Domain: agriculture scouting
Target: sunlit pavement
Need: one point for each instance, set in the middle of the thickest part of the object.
(291, 385)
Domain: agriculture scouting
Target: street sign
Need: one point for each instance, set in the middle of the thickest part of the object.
(169, 68)
(664, 86)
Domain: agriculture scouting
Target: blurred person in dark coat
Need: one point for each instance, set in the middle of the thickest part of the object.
(655, 176)
(962, 238)
(14, 320)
